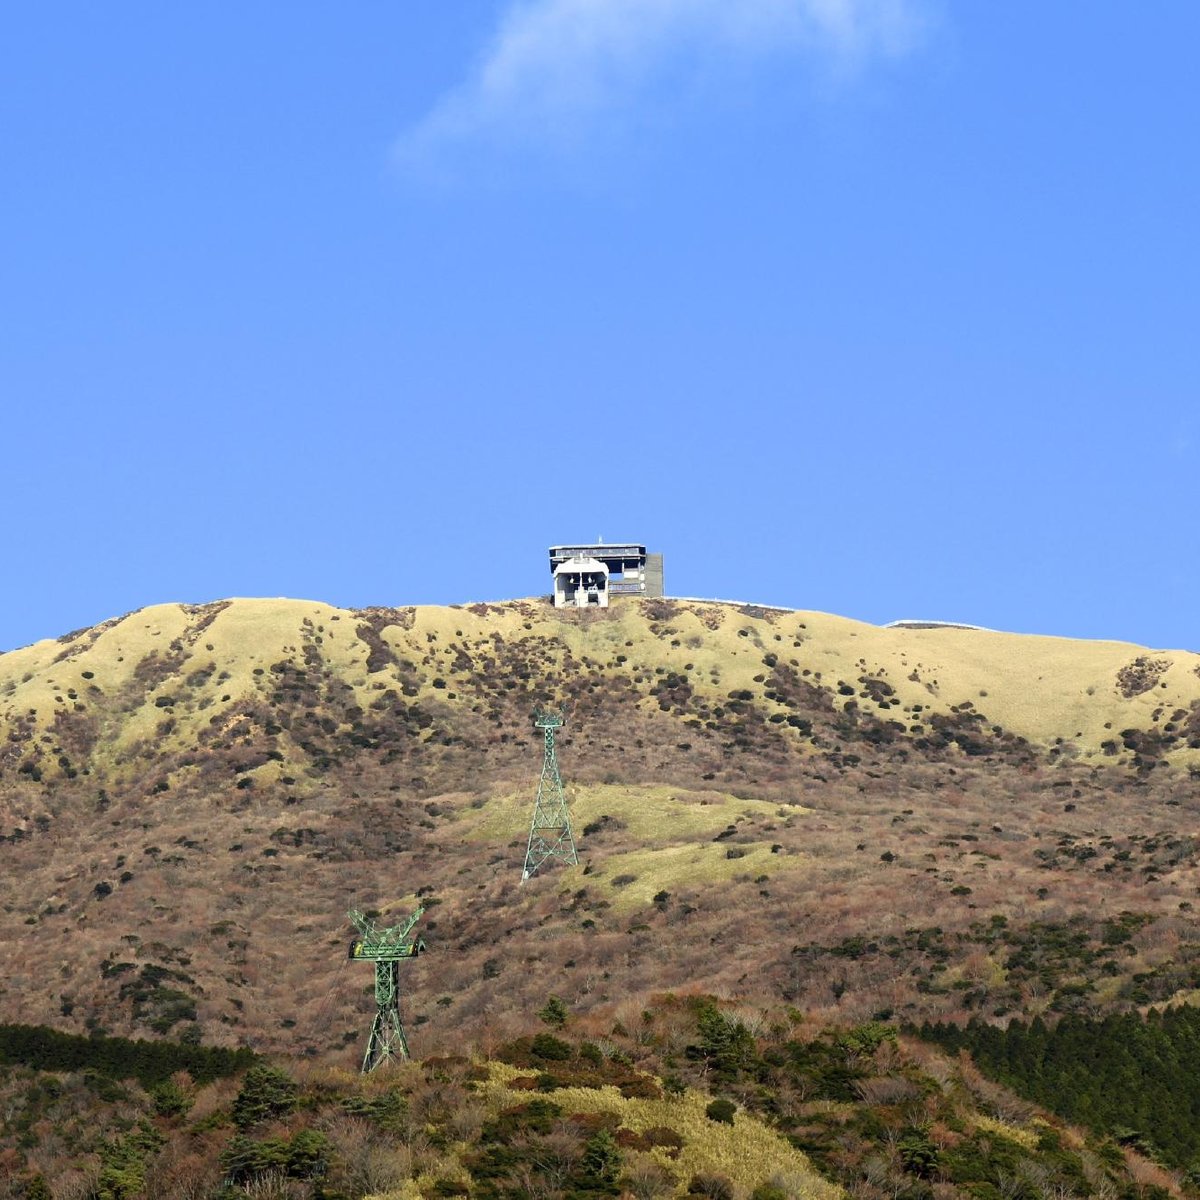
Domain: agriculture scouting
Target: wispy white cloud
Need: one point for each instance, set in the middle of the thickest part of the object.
(555, 67)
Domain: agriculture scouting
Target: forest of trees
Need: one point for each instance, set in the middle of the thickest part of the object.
(116, 1058)
(1132, 1076)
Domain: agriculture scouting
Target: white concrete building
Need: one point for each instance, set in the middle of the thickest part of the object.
(631, 571)
(581, 582)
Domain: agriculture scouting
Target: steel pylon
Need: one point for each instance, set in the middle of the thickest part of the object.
(550, 833)
(385, 948)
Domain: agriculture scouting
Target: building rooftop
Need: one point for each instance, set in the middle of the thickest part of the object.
(581, 564)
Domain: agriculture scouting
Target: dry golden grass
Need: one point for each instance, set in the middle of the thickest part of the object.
(412, 1190)
(1020, 1134)
(665, 839)
(657, 815)
(747, 1152)
(1039, 688)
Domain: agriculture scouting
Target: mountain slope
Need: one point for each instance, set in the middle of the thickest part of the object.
(773, 804)
(176, 675)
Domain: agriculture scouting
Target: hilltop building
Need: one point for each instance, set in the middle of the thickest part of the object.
(589, 575)
(581, 582)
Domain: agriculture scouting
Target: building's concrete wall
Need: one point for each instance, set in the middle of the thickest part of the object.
(654, 575)
(580, 589)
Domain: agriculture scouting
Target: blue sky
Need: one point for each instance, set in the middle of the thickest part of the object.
(881, 307)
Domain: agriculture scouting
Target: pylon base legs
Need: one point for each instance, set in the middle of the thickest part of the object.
(542, 848)
(387, 1043)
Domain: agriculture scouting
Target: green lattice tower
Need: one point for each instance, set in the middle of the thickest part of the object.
(550, 830)
(385, 948)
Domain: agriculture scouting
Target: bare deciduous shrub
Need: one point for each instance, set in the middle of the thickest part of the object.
(714, 1187)
(646, 1179)
(76, 1184)
(888, 1089)
(274, 1185)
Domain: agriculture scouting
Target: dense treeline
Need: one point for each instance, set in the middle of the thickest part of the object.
(116, 1058)
(689, 1095)
(1136, 1077)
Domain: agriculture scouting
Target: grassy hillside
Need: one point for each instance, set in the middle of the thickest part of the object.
(174, 677)
(778, 806)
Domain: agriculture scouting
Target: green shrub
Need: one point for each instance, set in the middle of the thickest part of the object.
(602, 1157)
(918, 1154)
(244, 1158)
(721, 1110)
(389, 1111)
(866, 1038)
(309, 1154)
(550, 1048)
(591, 1054)
(123, 1163)
(769, 1191)
(169, 1099)
(38, 1189)
(266, 1092)
(727, 1045)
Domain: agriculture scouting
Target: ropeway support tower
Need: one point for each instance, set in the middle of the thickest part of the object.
(386, 948)
(550, 833)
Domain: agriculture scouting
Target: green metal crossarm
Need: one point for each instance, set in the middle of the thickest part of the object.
(361, 950)
(384, 944)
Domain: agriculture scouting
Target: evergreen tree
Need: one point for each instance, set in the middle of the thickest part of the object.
(266, 1092)
(602, 1158)
(554, 1013)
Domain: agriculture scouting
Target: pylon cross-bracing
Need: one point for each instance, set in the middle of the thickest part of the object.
(385, 948)
(550, 833)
